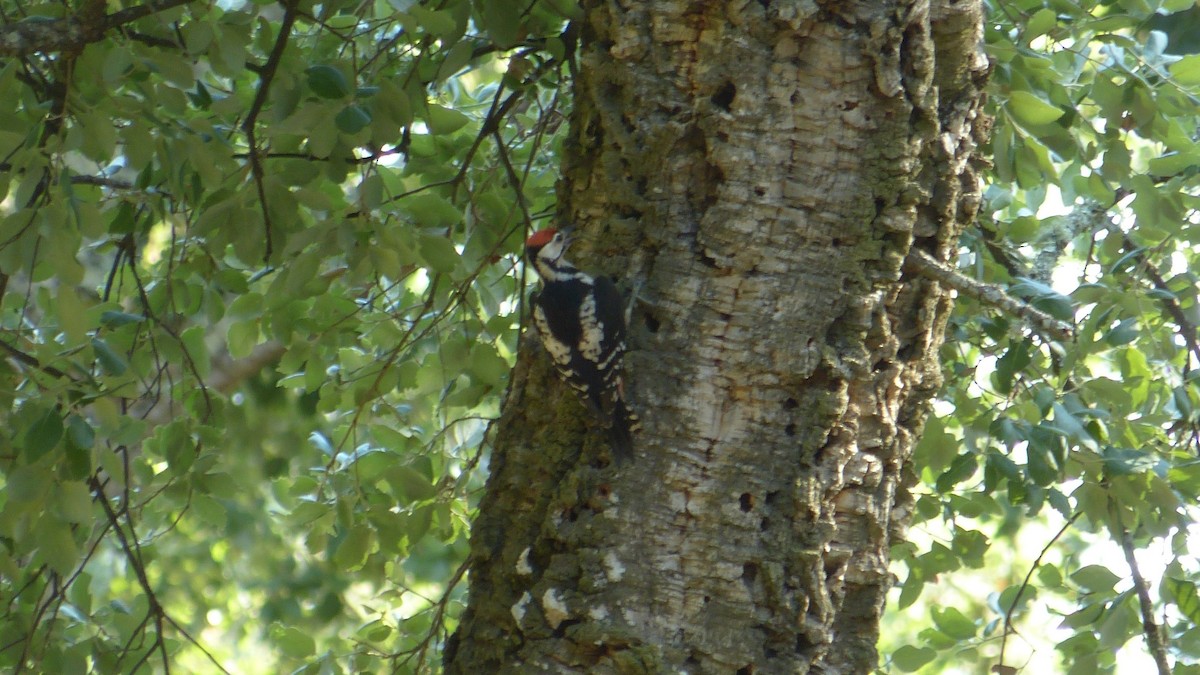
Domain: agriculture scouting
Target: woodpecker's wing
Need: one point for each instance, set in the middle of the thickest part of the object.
(607, 340)
(558, 312)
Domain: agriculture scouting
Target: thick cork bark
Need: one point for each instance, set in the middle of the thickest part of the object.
(761, 169)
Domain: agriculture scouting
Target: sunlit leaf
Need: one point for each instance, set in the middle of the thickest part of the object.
(910, 659)
(1029, 109)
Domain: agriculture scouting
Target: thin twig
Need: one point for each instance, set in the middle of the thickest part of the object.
(260, 97)
(1150, 629)
(1187, 330)
(1025, 583)
(33, 361)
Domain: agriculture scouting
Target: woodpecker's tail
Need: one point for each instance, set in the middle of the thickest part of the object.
(620, 431)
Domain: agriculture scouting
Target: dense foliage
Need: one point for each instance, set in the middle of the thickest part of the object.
(258, 292)
(259, 300)
(1060, 476)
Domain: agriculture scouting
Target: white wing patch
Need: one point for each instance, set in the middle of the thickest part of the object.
(560, 352)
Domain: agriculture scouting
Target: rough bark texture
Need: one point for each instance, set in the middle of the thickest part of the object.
(762, 169)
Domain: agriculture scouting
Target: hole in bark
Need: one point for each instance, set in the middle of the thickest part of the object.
(652, 324)
(747, 501)
(749, 573)
(708, 261)
(603, 491)
(760, 191)
(765, 524)
(790, 430)
(802, 644)
(747, 670)
(790, 404)
(879, 205)
(724, 96)
(707, 599)
(834, 571)
(772, 497)
(561, 630)
(691, 661)
(836, 241)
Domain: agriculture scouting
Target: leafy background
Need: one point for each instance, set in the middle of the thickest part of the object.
(1055, 473)
(259, 297)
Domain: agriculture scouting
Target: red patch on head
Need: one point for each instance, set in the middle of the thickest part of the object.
(540, 238)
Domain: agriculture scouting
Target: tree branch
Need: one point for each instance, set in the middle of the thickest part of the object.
(72, 34)
(1150, 629)
(260, 97)
(926, 265)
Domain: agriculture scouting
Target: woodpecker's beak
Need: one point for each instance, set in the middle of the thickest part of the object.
(568, 237)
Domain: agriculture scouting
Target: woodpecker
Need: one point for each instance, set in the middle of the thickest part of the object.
(581, 322)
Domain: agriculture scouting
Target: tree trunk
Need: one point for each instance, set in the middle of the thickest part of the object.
(762, 170)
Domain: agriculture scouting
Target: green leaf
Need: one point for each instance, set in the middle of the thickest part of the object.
(953, 623)
(109, 360)
(1186, 71)
(432, 210)
(910, 659)
(455, 60)
(112, 319)
(73, 501)
(57, 546)
(1185, 595)
(328, 81)
(374, 631)
(1042, 22)
(241, 338)
(352, 552)
(27, 484)
(1085, 616)
(1049, 576)
(1173, 163)
(410, 485)
(197, 350)
(1029, 109)
(293, 641)
(438, 253)
(393, 103)
(439, 23)
(1128, 461)
(43, 435)
(1040, 465)
(486, 366)
(352, 119)
(442, 120)
(1095, 578)
(501, 19)
(79, 433)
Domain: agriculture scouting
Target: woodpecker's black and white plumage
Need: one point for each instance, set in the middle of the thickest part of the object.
(581, 322)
